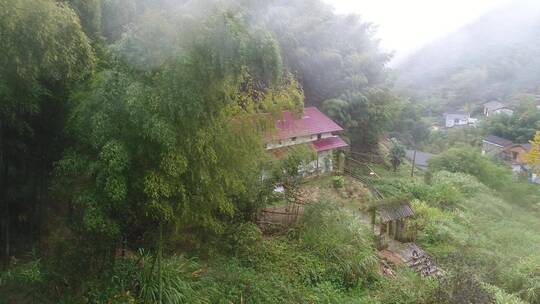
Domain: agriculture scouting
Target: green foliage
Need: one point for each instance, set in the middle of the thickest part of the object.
(397, 153)
(28, 277)
(291, 165)
(243, 239)
(363, 115)
(408, 288)
(519, 127)
(463, 287)
(435, 226)
(338, 236)
(44, 54)
(501, 297)
(469, 160)
(327, 65)
(338, 182)
(443, 140)
(175, 277)
(410, 125)
(89, 12)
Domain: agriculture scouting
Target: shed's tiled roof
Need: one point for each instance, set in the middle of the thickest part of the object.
(494, 105)
(392, 212)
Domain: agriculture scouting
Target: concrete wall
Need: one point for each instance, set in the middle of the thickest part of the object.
(297, 141)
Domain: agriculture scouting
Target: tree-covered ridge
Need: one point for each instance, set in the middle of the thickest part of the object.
(493, 58)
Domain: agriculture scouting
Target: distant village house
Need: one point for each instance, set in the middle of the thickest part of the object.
(494, 146)
(495, 107)
(313, 129)
(459, 119)
(511, 154)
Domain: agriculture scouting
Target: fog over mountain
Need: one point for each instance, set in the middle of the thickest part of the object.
(404, 27)
(494, 57)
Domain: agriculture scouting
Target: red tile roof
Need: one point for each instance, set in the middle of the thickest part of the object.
(312, 122)
(329, 143)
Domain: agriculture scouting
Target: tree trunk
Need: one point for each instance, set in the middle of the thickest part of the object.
(160, 262)
(7, 249)
(4, 199)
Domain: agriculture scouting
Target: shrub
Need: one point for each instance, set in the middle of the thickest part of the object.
(438, 230)
(342, 240)
(23, 280)
(406, 288)
(469, 160)
(176, 280)
(243, 239)
(338, 182)
(463, 287)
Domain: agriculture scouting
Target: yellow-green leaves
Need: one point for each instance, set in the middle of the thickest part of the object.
(533, 157)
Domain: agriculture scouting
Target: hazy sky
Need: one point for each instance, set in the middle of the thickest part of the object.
(406, 25)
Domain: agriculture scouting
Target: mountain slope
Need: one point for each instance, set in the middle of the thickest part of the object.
(493, 58)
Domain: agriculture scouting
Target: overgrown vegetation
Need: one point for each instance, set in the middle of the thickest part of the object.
(132, 162)
(484, 229)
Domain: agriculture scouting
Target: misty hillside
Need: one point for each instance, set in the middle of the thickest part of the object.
(494, 57)
(252, 151)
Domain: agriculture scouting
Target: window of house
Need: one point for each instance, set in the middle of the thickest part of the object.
(293, 139)
(319, 136)
(456, 121)
(514, 155)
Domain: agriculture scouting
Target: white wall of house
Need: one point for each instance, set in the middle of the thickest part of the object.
(503, 111)
(324, 161)
(453, 120)
(296, 141)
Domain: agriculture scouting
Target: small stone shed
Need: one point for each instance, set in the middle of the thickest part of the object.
(393, 221)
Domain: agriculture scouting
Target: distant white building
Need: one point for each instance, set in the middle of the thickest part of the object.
(495, 107)
(459, 119)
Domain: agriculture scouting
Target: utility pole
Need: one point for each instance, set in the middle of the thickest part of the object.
(413, 163)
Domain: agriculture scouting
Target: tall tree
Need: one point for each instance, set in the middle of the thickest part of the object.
(44, 50)
(397, 153)
(364, 116)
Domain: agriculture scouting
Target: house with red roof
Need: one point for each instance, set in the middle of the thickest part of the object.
(312, 128)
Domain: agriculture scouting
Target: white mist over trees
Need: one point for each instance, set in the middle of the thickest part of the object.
(495, 57)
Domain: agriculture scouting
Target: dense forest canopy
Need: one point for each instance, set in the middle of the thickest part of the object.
(124, 119)
(493, 58)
